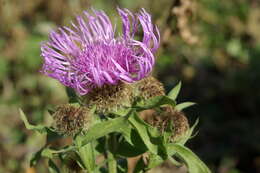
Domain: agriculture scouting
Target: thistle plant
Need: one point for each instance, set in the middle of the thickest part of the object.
(117, 109)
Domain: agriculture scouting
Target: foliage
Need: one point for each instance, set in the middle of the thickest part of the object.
(154, 143)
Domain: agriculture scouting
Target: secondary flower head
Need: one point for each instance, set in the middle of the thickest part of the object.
(89, 54)
(167, 119)
(149, 87)
(70, 119)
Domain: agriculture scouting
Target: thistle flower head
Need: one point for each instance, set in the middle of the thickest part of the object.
(89, 54)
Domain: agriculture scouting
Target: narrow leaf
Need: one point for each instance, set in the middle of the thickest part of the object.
(87, 156)
(51, 134)
(155, 102)
(126, 150)
(173, 94)
(154, 161)
(194, 164)
(184, 105)
(141, 127)
(140, 166)
(127, 132)
(188, 134)
(104, 128)
(39, 128)
(35, 158)
(47, 152)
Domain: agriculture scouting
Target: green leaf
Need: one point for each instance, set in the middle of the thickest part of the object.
(38, 128)
(50, 153)
(35, 158)
(184, 105)
(51, 134)
(154, 161)
(155, 102)
(104, 128)
(188, 134)
(133, 148)
(161, 156)
(52, 167)
(173, 94)
(87, 156)
(127, 133)
(140, 166)
(126, 150)
(150, 137)
(86, 153)
(121, 112)
(47, 152)
(142, 130)
(194, 164)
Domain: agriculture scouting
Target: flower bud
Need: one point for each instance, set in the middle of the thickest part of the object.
(110, 98)
(149, 87)
(167, 120)
(70, 119)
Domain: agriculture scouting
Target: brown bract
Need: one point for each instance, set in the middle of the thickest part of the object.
(70, 119)
(149, 87)
(110, 98)
(165, 119)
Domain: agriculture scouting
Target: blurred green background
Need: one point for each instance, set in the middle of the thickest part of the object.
(212, 46)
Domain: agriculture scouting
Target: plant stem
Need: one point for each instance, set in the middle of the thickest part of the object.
(112, 165)
(111, 146)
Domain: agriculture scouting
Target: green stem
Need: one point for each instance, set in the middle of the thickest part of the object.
(112, 163)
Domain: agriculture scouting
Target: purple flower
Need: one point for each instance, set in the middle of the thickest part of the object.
(90, 55)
